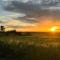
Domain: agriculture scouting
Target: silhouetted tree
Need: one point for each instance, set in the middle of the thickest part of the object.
(2, 28)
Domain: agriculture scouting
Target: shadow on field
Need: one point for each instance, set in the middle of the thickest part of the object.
(28, 52)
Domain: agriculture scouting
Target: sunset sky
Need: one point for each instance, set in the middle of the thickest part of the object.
(30, 15)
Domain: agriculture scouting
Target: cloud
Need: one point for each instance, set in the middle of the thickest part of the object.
(16, 24)
(32, 7)
(24, 1)
(33, 4)
(29, 15)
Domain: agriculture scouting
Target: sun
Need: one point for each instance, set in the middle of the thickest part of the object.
(53, 28)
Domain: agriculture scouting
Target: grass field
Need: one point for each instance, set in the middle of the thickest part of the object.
(41, 46)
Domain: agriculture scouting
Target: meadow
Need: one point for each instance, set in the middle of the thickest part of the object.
(37, 46)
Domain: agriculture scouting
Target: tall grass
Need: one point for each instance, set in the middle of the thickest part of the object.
(29, 48)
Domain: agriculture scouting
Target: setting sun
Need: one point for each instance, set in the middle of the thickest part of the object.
(53, 29)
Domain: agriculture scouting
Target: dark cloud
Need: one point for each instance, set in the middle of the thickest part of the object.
(25, 7)
(31, 6)
(34, 10)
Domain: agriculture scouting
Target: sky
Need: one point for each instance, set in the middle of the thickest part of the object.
(29, 15)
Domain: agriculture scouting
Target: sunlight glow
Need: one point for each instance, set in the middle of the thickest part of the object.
(53, 29)
(9, 29)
